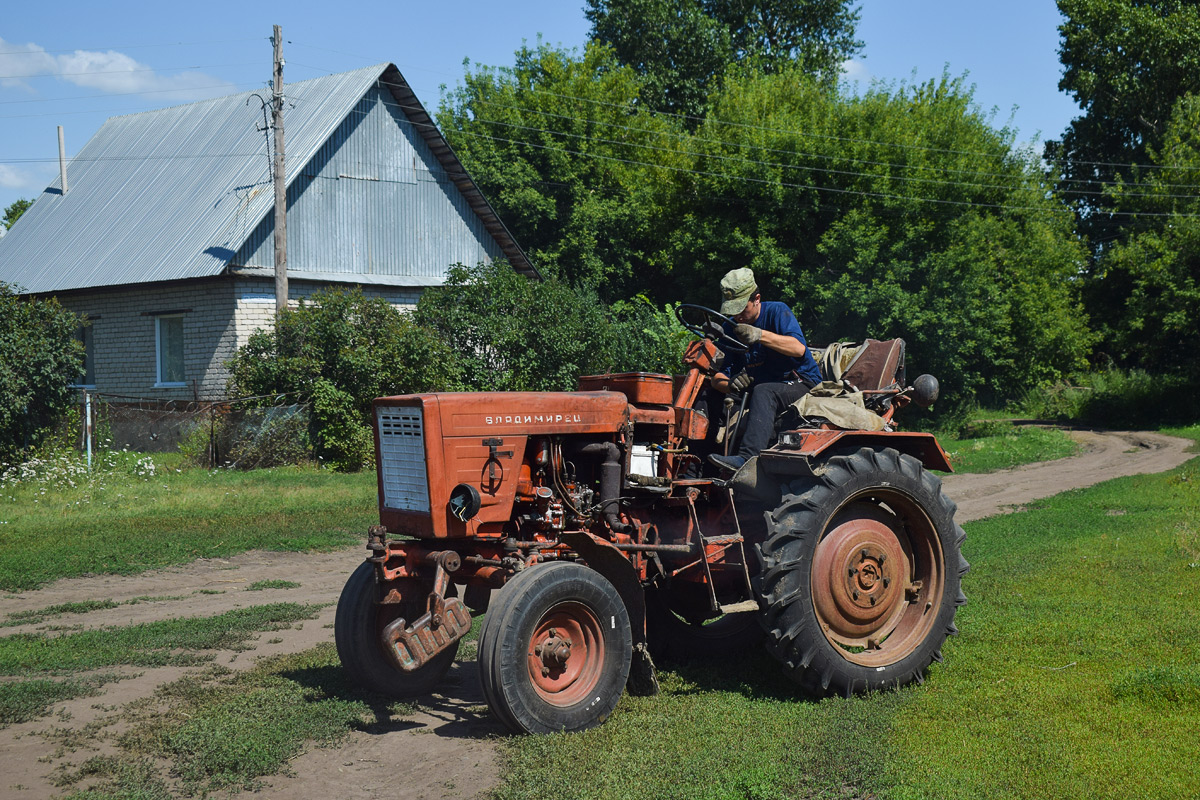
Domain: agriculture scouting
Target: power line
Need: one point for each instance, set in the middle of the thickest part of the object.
(850, 140)
(809, 154)
(40, 51)
(1014, 185)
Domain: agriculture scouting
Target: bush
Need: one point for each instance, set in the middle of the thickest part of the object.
(509, 333)
(249, 438)
(40, 357)
(341, 350)
(1115, 398)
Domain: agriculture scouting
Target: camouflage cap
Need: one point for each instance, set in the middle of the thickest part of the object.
(737, 287)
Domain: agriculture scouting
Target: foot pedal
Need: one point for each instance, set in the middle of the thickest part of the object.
(413, 646)
(737, 608)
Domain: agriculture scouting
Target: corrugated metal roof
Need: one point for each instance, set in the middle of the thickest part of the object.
(175, 193)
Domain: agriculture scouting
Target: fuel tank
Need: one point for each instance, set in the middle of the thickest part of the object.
(427, 444)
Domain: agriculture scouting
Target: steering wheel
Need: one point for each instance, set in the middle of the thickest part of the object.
(709, 324)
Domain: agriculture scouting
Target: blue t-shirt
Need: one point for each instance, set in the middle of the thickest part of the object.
(770, 366)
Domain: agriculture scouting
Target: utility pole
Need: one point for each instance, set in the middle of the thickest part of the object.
(281, 281)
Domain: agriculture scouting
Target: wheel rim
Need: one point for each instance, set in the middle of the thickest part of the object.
(566, 654)
(878, 578)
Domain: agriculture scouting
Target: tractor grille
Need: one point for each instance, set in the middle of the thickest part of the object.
(402, 459)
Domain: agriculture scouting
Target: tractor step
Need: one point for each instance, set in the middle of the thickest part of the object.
(737, 608)
(731, 538)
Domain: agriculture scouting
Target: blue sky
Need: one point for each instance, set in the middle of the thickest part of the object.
(77, 63)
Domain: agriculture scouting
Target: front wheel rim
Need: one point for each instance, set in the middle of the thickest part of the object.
(878, 578)
(565, 657)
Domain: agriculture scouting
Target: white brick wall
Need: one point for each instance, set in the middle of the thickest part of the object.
(221, 313)
(123, 336)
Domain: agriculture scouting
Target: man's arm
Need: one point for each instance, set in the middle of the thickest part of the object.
(784, 343)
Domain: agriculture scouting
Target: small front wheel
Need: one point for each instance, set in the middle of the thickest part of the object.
(358, 629)
(555, 649)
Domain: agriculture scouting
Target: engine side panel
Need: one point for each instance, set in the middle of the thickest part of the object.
(427, 444)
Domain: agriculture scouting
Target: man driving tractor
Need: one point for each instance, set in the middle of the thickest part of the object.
(776, 368)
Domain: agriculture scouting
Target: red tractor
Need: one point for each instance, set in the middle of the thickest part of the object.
(584, 525)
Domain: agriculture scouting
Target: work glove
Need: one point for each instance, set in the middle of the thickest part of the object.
(741, 383)
(747, 334)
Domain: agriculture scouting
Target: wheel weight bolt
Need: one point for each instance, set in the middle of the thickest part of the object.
(853, 571)
(887, 582)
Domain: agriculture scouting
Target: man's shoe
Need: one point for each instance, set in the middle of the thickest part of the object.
(731, 463)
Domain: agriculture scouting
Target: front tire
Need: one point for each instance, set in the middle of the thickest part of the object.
(861, 573)
(555, 649)
(357, 629)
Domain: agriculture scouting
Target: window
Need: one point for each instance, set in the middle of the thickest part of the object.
(169, 349)
(87, 378)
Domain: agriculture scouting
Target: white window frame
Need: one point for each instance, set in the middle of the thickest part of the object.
(159, 383)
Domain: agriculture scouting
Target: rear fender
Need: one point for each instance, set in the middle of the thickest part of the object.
(797, 451)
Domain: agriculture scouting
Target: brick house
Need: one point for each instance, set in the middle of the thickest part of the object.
(165, 235)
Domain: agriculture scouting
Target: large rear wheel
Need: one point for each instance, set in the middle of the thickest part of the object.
(555, 649)
(861, 573)
(357, 630)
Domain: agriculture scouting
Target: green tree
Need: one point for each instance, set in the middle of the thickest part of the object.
(1125, 62)
(341, 350)
(14, 212)
(900, 212)
(40, 358)
(572, 160)
(682, 47)
(1148, 285)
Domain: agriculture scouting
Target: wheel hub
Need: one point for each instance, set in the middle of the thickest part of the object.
(554, 650)
(859, 574)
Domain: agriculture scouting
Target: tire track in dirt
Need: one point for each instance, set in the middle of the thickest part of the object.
(1106, 455)
(447, 748)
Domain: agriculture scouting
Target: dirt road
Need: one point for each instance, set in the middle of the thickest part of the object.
(451, 736)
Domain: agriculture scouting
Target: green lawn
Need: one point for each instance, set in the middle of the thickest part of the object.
(1075, 676)
(131, 517)
(124, 522)
(1002, 445)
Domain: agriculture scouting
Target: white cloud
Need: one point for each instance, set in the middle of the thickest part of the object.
(13, 178)
(109, 71)
(856, 71)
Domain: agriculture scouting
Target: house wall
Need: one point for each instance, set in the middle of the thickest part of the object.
(124, 336)
(220, 314)
(254, 300)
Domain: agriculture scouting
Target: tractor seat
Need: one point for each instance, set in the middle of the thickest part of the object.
(875, 364)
